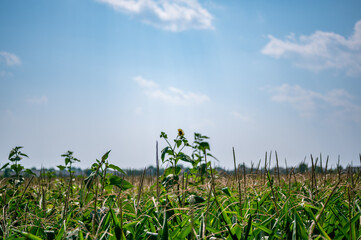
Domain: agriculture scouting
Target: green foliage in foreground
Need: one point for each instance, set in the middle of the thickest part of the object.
(201, 204)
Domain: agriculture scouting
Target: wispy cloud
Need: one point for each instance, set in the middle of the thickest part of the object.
(144, 83)
(308, 102)
(138, 111)
(37, 100)
(9, 59)
(203, 124)
(5, 74)
(171, 94)
(171, 15)
(320, 50)
(239, 116)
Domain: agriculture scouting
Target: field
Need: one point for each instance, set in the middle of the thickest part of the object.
(200, 203)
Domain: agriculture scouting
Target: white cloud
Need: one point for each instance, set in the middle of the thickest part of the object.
(37, 100)
(308, 102)
(320, 50)
(5, 74)
(202, 125)
(138, 111)
(142, 82)
(171, 94)
(171, 15)
(240, 116)
(10, 59)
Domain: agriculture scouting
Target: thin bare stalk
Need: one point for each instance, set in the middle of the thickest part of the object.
(312, 174)
(339, 168)
(218, 205)
(22, 195)
(289, 181)
(235, 165)
(272, 190)
(157, 163)
(278, 170)
(206, 214)
(259, 164)
(244, 181)
(140, 188)
(265, 167)
(270, 160)
(314, 223)
(237, 182)
(95, 206)
(325, 180)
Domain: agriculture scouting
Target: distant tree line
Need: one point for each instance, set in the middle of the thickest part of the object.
(152, 171)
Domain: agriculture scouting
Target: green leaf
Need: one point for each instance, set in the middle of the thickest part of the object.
(49, 234)
(89, 180)
(61, 167)
(23, 154)
(263, 228)
(4, 166)
(81, 237)
(17, 167)
(165, 230)
(227, 221)
(67, 154)
(172, 170)
(105, 156)
(301, 227)
(208, 154)
(28, 171)
(12, 153)
(178, 142)
(203, 168)
(248, 228)
(294, 233)
(170, 180)
(94, 166)
(264, 197)
(237, 231)
(185, 232)
(152, 235)
(117, 229)
(204, 146)
(60, 233)
(114, 167)
(27, 235)
(226, 191)
(185, 158)
(163, 135)
(119, 182)
(194, 199)
(164, 152)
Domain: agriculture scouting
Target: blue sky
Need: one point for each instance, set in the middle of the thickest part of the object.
(95, 75)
